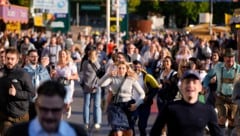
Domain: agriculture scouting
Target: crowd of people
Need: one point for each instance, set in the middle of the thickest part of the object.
(184, 73)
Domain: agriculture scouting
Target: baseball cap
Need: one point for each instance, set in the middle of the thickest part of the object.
(191, 74)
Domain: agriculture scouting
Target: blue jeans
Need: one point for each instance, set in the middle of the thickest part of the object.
(97, 111)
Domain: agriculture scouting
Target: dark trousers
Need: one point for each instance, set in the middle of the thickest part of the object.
(7, 121)
(32, 111)
(144, 111)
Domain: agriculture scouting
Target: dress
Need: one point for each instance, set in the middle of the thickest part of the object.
(66, 71)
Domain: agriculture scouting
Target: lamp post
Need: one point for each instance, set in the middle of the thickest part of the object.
(211, 17)
(108, 20)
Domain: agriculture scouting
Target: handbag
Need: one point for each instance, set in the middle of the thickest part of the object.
(115, 114)
(99, 72)
(64, 81)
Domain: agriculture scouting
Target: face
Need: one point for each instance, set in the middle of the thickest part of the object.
(33, 58)
(122, 70)
(190, 88)
(11, 60)
(137, 68)
(130, 48)
(184, 68)
(163, 54)
(167, 63)
(121, 58)
(229, 61)
(62, 55)
(215, 57)
(44, 61)
(49, 110)
(53, 40)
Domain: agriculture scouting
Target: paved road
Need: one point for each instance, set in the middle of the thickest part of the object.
(77, 116)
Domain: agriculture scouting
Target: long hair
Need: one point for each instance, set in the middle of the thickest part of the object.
(68, 58)
(130, 72)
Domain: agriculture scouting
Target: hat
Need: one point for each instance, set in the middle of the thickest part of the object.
(229, 52)
(191, 74)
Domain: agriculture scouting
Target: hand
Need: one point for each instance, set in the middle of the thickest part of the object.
(213, 80)
(160, 86)
(12, 91)
(53, 73)
(133, 107)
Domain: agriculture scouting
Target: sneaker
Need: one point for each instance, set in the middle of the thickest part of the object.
(97, 126)
(69, 112)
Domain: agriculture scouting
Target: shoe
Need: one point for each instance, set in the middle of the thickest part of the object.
(97, 126)
(69, 112)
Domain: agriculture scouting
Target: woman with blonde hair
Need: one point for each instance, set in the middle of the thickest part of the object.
(65, 72)
(121, 94)
(183, 53)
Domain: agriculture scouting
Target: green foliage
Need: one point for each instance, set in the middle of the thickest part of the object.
(155, 4)
(132, 4)
(191, 10)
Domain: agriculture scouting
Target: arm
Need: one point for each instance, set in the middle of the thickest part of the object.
(105, 81)
(140, 90)
(27, 92)
(208, 77)
(74, 73)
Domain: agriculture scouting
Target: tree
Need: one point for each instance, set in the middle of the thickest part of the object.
(132, 4)
(190, 11)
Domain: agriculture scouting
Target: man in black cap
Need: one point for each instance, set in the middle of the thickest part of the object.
(187, 117)
(226, 73)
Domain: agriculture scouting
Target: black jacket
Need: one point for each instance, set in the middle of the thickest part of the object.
(15, 106)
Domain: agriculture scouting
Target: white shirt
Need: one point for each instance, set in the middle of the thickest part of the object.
(35, 129)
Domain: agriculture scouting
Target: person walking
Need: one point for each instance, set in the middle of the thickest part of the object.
(50, 107)
(38, 74)
(151, 87)
(120, 93)
(16, 92)
(91, 90)
(226, 73)
(66, 72)
(185, 117)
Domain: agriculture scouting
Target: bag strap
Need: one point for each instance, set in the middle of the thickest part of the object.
(118, 90)
(93, 66)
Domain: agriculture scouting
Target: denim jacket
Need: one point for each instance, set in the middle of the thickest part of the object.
(38, 75)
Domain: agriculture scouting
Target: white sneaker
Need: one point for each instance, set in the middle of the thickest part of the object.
(97, 126)
(69, 112)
